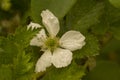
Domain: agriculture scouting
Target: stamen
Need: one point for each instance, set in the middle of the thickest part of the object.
(51, 43)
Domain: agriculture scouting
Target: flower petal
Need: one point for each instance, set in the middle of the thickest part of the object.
(33, 26)
(35, 42)
(72, 40)
(39, 39)
(50, 22)
(61, 58)
(43, 62)
(42, 34)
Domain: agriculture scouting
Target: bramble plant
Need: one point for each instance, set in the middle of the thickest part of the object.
(59, 39)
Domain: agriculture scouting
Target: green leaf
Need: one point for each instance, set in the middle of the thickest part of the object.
(12, 51)
(22, 66)
(58, 7)
(105, 70)
(112, 13)
(23, 36)
(65, 73)
(116, 32)
(5, 72)
(115, 3)
(8, 50)
(84, 14)
(102, 27)
(113, 17)
(91, 48)
(112, 46)
(113, 20)
(91, 18)
(25, 77)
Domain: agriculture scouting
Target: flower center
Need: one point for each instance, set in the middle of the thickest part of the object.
(52, 43)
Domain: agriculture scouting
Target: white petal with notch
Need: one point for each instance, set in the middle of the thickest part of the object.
(50, 22)
(61, 58)
(72, 40)
(39, 39)
(33, 26)
(43, 62)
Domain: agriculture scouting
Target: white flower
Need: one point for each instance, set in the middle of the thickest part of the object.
(33, 25)
(56, 51)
